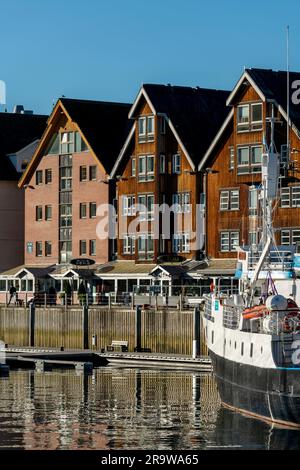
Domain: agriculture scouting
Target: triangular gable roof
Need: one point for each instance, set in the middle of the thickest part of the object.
(193, 114)
(270, 85)
(16, 132)
(103, 127)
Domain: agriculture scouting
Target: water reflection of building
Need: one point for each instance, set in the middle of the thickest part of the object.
(126, 409)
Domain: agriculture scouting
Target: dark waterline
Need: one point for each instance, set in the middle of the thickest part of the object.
(126, 409)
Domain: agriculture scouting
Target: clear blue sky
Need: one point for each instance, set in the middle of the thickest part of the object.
(105, 49)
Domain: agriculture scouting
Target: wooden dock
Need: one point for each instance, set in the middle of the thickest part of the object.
(48, 358)
(176, 361)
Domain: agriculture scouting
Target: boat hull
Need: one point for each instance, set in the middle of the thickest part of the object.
(269, 394)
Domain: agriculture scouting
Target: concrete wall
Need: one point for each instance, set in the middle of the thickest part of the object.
(11, 225)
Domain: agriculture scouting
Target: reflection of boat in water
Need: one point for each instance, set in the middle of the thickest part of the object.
(239, 431)
(254, 337)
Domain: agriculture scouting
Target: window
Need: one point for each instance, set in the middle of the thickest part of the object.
(176, 163)
(53, 148)
(243, 118)
(146, 168)
(249, 117)
(80, 145)
(92, 247)
(48, 212)
(146, 128)
(181, 243)
(39, 177)
(29, 247)
(82, 210)
(181, 202)
(290, 196)
(231, 158)
(145, 246)
(284, 153)
(251, 350)
(48, 248)
(252, 238)
(39, 213)
(146, 206)
(93, 210)
(162, 164)
(142, 128)
(249, 159)
(128, 245)
(253, 201)
(229, 241)
(229, 200)
(150, 128)
(48, 176)
(65, 178)
(290, 236)
(83, 173)
(256, 116)
(39, 249)
(82, 247)
(128, 205)
(133, 161)
(67, 142)
(93, 173)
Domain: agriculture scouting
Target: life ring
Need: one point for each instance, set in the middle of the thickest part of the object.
(255, 312)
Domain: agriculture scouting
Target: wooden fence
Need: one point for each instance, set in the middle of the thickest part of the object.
(164, 331)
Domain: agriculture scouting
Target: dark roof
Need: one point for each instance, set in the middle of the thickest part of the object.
(273, 85)
(196, 113)
(105, 126)
(16, 132)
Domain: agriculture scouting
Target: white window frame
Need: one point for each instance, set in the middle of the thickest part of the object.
(142, 174)
(243, 126)
(295, 196)
(128, 205)
(176, 163)
(142, 127)
(181, 242)
(181, 202)
(256, 125)
(129, 245)
(229, 236)
(150, 133)
(133, 166)
(231, 158)
(146, 174)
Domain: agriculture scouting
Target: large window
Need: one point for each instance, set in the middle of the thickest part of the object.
(146, 246)
(181, 243)
(249, 117)
(181, 202)
(146, 168)
(229, 200)
(129, 244)
(176, 163)
(71, 142)
(146, 206)
(253, 201)
(93, 210)
(82, 210)
(290, 196)
(48, 176)
(93, 173)
(83, 173)
(128, 205)
(92, 247)
(290, 236)
(229, 240)
(249, 159)
(146, 128)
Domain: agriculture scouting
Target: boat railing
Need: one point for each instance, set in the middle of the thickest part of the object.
(280, 260)
(231, 316)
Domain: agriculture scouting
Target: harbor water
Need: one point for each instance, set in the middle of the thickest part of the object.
(126, 409)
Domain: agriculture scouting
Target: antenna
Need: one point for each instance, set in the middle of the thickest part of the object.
(288, 92)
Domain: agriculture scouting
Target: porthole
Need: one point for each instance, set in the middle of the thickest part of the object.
(212, 337)
(242, 349)
(235, 345)
(261, 350)
(251, 350)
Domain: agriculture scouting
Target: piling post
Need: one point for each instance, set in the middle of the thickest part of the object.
(138, 328)
(196, 332)
(85, 318)
(32, 324)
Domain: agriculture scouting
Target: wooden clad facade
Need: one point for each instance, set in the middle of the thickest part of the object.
(233, 176)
